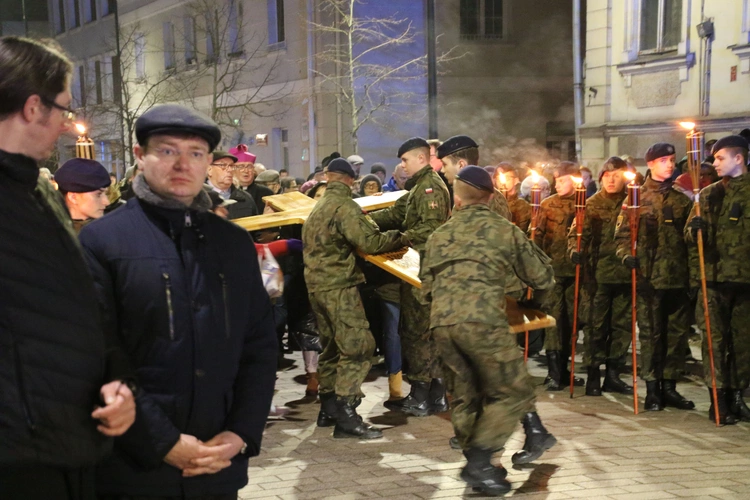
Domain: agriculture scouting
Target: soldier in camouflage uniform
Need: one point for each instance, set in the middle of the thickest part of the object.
(607, 297)
(556, 215)
(335, 228)
(725, 221)
(418, 214)
(520, 209)
(466, 266)
(662, 265)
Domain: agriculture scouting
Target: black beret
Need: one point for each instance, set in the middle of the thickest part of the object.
(476, 177)
(730, 141)
(218, 155)
(173, 118)
(567, 168)
(377, 167)
(614, 163)
(413, 143)
(454, 145)
(342, 166)
(82, 176)
(659, 150)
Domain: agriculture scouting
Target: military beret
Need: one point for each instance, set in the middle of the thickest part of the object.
(730, 141)
(567, 168)
(342, 166)
(614, 163)
(454, 145)
(173, 118)
(240, 151)
(82, 176)
(659, 150)
(476, 177)
(220, 155)
(413, 143)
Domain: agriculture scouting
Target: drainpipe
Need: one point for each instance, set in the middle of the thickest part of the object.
(577, 75)
(312, 128)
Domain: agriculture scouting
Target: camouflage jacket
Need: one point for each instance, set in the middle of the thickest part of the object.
(335, 228)
(418, 214)
(499, 205)
(520, 211)
(556, 215)
(467, 265)
(598, 239)
(661, 247)
(725, 205)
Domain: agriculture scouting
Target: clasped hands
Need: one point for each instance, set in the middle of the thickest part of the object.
(195, 457)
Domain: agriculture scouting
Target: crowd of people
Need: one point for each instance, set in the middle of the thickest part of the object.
(141, 339)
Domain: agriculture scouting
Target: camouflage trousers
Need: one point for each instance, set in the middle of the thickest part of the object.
(492, 388)
(417, 344)
(558, 303)
(729, 308)
(664, 325)
(347, 342)
(606, 313)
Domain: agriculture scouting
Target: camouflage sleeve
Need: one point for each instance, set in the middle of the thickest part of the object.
(531, 264)
(425, 275)
(524, 218)
(622, 234)
(541, 224)
(432, 211)
(360, 231)
(499, 205)
(393, 216)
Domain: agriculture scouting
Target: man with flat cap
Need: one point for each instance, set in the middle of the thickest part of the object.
(335, 229)
(458, 152)
(220, 181)
(181, 288)
(725, 224)
(464, 273)
(424, 209)
(83, 185)
(661, 265)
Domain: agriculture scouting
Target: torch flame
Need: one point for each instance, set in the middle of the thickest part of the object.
(502, 177)
(687, 125)
(630, 176)
(534, 177)
(81, 128)
(577, 180)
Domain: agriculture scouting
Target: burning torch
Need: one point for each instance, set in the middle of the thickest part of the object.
(580, 204)
(84, 144)
(536, 203)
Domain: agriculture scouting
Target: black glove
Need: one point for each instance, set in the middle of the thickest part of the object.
(575, 257)
(631, 262)
(697, 223)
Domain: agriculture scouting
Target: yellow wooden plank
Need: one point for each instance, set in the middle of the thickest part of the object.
(289, 201)
(258, 222)
(377, 202)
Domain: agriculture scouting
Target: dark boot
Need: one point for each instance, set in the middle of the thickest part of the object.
(436, 397)
(725, 416)
(350, 425)
(481, 475)
(454, 444)
(416, 403)
(538, 440)
(653, 396)
(554, 377)
(593, 381)
(612, 382)
(670, 396)
(327, 414)
(737, 406)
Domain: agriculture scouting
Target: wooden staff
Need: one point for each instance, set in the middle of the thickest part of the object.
(634, 201)
(580, 201)
(695, 141)
(536, 203)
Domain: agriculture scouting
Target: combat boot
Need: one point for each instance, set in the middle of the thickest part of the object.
(737, 406)
(653, 396)
(670, 396)
(481, 475)
(594, 381)
(725, 416)
(415, 403)
(327, 414)
(436, 397)
(612, 382)
(553, 382)
(538, 440)
(350, 425)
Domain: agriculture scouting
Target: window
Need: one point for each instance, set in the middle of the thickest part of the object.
(104, 87)
(89, 11)
(285, 148)
(60, 18)
(78, 88)
(211, 28)
(74, 14)
(98, 81)
(168, 36)
(275, 21)
(235, 28)
(107, 7)
(661, 25)
(482, 19)
(140, 56)
(189, 41)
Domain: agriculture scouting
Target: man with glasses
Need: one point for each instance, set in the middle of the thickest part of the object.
(245, 174)
(63, 387)
(220, 180)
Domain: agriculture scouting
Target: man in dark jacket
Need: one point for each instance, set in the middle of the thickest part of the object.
(220, 180)
(182, 290)
(53, 356)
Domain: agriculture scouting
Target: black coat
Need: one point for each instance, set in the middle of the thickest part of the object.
(190, 309)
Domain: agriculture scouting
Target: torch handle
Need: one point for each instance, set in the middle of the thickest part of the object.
(574, 335)
(634, 227)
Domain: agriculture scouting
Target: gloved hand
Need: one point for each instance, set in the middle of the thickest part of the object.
(294, 245)
(695, 224)
(575, 257)
(631, 262)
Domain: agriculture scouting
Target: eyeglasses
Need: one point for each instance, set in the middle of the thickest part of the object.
(224, 166)
(171, 155)
(67, 113)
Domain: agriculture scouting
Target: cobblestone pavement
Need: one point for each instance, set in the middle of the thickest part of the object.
(604, 451)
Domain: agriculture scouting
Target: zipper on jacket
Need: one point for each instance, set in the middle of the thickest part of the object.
(21, 391)
(225, 295)
(170, 310)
